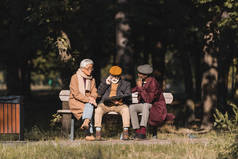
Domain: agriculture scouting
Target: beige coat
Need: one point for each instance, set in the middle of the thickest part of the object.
(77, 99)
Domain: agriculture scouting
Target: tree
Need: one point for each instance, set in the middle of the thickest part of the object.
(124, 51)
(214, 67)
(17, 55)
(210, 74)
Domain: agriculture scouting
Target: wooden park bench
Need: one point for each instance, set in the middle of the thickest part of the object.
(68, 119)
(11, 116)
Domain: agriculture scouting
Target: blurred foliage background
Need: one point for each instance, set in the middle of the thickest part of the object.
(192, 45)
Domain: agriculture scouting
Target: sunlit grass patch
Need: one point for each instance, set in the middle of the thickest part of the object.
(179, 146)
(52, 145)
(50, 150)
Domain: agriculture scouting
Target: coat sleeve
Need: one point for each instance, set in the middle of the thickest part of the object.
(94, 89)
(128, 89)
(150, 92)
(102, 87)
(75, 90)
(134, 89)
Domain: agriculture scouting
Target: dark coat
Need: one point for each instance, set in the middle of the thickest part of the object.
(123, 89)
(152, 93)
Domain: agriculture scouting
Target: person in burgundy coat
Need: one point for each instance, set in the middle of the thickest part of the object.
(151, 103)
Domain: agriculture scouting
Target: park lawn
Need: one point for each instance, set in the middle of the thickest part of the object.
(176, 146)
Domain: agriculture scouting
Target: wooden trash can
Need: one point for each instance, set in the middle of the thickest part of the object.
(11, 116)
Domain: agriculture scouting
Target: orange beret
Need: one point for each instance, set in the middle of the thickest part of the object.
(115, 70)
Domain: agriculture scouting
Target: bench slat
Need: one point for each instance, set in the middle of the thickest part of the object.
(69, 112)
(168, 98)
(64, 96)
(112, 113)
(64, 111)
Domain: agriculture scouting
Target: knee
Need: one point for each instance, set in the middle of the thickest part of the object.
(125, 110)
(146, 107)
(126, 113)
(98, 110)
(89, 106)
(131, 108)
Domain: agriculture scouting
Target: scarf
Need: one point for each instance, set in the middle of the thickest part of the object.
(83, 86)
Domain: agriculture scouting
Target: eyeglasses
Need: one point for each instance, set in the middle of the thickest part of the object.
(115, 76)
(89, 68)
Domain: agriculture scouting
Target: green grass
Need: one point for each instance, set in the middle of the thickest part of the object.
(212, 145)
(91, 151)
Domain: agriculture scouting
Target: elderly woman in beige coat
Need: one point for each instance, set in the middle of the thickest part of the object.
(83, 94)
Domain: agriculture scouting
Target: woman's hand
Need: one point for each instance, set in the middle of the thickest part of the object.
(92, 101)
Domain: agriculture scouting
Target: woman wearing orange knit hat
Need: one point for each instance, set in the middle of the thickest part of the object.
(114, 92)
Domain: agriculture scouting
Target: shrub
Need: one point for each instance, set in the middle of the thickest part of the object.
(226, 122)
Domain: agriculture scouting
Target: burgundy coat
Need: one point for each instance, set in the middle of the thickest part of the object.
(152, 93)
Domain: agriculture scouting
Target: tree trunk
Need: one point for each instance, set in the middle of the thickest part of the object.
(235, 93)
(189, 91)
(158, 61)
(13, 77)
(188, 78)
(66, 71)
(226, 61)
(26, 78)
(124, 55)
(147, 45)
(97, 50)
(198, 80)
(209, 75)
(15, 52)
(223, 81)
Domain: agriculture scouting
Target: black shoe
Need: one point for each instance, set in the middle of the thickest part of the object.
(136, 134)
(140, 136)
(154, 137)
(87, 132)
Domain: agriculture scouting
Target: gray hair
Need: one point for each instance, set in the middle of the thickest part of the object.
(86, 62)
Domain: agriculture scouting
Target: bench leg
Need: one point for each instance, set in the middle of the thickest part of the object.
(153, 130)
(71, 136)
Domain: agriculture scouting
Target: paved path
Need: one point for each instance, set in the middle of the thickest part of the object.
(179, 140)
(142, 142)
